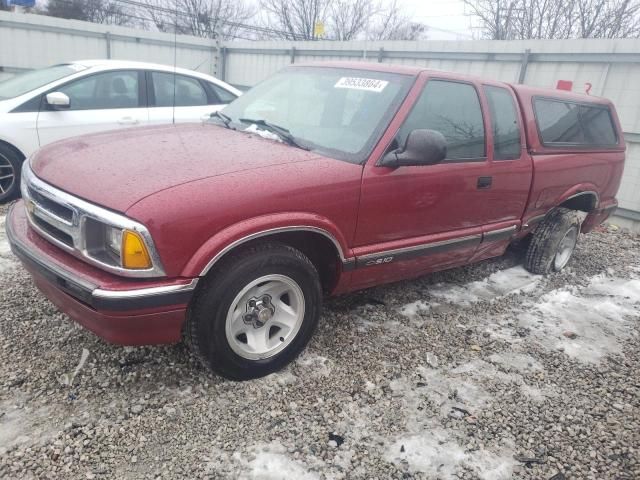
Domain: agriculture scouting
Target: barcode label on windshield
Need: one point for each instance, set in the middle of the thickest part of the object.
(369, 84)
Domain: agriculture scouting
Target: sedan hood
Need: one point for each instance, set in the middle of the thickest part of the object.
(118, 168)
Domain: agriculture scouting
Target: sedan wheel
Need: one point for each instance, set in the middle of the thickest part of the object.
(7, 176)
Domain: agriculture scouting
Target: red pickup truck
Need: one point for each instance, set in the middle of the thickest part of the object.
(323, 179)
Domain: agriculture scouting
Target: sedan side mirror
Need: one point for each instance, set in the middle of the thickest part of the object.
(422, 147)
(58, 101)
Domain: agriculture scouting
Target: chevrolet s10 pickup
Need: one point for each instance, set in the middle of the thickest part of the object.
(321, 180)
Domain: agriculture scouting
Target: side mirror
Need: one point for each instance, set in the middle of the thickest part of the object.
(58, 101)
(422, 147)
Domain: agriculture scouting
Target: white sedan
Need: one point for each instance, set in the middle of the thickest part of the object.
(41, 106)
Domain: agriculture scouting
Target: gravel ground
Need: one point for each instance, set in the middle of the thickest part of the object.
(480, 372)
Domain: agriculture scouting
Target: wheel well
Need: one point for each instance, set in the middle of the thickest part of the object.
(585, 202)
(11, 147)
(318, 248)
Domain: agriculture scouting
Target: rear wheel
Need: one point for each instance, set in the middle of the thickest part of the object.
(256, 312)
(553, 242)
(10, 166)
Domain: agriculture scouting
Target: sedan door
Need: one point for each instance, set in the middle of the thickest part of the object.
(98, 102)
(176, 98)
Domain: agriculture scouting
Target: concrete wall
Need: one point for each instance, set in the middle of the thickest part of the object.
(610, 68)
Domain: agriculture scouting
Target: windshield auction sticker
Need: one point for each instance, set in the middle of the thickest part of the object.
(355, 83)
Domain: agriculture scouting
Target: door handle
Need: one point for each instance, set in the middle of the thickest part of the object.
(128, 121)
(484, 182)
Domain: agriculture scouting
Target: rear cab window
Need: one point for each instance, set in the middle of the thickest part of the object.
(565, 123)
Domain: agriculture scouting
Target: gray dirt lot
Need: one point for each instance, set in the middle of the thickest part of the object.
(481, 372)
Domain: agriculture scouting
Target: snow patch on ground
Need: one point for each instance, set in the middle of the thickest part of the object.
(314, 364)
(7, 260)
(414, 309)
(519, 361)
(278, 379)
(437, 455)
(271, 462)
(23, 424)
(586, 323)
(504, 282)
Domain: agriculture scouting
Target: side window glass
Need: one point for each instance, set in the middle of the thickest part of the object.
(188, 91)
(452, 109)
(598, 126)
(223, 95)
(108, 90)
(559, 122)
(504, 123)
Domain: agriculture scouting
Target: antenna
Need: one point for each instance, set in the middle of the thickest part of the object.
(175, 61)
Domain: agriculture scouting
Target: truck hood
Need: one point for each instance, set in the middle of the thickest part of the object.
(118, 168)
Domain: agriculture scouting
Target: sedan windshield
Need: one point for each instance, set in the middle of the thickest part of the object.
(339, 112)
(25, 82)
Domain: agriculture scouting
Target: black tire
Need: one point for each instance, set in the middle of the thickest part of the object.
(10, 164)
(205, 330)
(547, 238)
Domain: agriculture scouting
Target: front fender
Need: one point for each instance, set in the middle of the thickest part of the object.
(235, 235)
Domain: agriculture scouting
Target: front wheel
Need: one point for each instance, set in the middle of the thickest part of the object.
(256, 312)
(553, 242)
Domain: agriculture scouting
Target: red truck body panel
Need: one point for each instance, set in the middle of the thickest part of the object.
(202, 190)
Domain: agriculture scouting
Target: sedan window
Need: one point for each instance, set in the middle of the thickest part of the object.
(188, 91)
(224, 96)
(117, 89)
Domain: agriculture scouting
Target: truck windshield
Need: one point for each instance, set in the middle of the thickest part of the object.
(25, 82)
(336, 111)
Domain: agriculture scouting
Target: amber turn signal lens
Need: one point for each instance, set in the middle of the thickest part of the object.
(134, 252)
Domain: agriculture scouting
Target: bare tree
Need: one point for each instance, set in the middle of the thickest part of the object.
(3, 5)
(608, 19)
(394, 23)
(556, 19)
(96, 11)
(349, 18)
(295, 19)
(201, 18)
(343, 19)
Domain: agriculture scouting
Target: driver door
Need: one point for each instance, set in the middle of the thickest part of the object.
(98, 102)
(416, 219)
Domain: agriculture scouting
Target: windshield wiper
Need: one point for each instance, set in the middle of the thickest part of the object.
(226, 119)
(282, 132)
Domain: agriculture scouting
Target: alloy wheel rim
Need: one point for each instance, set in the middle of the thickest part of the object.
(7, 175)
(565, 248)
(265, 317)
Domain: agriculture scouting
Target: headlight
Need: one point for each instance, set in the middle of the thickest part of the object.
(113, 240)
(116, 246)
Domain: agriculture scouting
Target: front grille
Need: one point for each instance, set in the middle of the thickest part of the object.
(53, 231)
(58, 210)
(52, 218)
